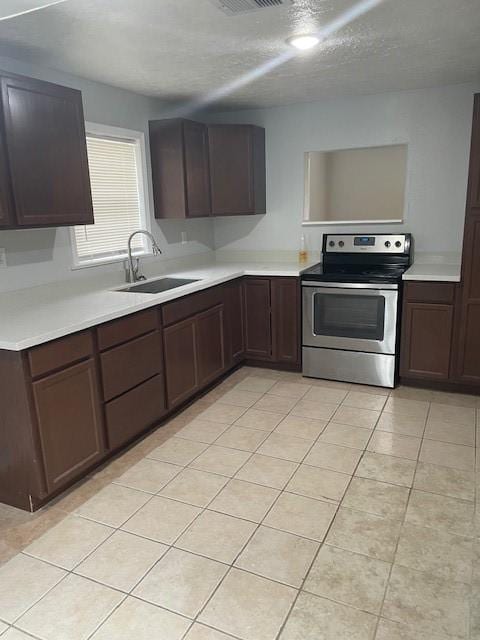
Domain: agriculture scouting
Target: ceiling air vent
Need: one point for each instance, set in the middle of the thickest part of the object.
(236, 7)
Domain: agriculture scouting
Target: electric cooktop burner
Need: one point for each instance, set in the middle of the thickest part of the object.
(353, 273)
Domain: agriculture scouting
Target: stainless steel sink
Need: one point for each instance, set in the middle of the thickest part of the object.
(157, 286)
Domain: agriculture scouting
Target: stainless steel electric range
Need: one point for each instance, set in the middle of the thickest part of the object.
(351, 308)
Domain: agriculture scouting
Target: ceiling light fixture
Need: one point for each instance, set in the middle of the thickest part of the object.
(304, 41)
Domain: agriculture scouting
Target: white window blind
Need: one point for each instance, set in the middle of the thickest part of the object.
(115, 182)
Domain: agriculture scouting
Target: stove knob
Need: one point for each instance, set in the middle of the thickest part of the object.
(341, 243)
(398, 244)
(331, 243)
(388, 244)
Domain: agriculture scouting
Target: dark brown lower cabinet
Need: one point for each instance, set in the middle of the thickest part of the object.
(179, 342)
(427, 340)
(234, 320)
(258, 330)
(210, 345)
(70, 428)
(285, 296)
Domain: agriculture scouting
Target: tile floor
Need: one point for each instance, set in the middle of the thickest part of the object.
(273, 507)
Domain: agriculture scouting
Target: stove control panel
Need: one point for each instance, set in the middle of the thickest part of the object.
(372, 243)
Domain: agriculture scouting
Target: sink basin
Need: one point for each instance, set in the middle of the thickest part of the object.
(157, 286)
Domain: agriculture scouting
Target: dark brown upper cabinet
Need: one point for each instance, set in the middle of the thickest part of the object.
(237, 169)
(44, 166)
(179, 153)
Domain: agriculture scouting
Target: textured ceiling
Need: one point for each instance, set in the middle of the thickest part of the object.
(183, 49)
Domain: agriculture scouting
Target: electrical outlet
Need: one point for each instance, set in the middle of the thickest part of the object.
(3, 259)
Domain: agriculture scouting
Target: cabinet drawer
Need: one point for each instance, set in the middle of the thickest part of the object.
(185, 307)
(441, 292)
(130, 364)
(113, 333)
(135, 411)
(60, 353)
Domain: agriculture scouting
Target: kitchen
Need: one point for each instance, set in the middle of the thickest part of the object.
(257, 419)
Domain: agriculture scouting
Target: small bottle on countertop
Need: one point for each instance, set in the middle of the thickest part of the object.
(303, 253)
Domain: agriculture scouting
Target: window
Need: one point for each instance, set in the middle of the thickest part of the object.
(116, 159)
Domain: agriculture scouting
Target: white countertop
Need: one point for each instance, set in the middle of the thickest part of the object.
(29, 317)
(440, 267)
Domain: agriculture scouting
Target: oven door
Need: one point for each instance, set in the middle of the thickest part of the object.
(354, 317)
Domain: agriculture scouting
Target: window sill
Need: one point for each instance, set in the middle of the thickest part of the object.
(99, 262)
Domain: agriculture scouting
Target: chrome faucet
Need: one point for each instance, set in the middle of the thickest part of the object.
(132, 270)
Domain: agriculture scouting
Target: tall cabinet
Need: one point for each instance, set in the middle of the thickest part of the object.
(467, 369)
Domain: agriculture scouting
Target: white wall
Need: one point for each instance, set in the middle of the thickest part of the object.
(35, 256)
(436, 124)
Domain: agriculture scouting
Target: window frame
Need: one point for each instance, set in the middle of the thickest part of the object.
(119, 133)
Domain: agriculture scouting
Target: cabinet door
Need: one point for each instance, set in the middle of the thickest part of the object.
(7, 218)
(47, 156)
(197, 182)
(69, 422)
(237, 169)
(258, 336)
(234, 317)
(180, 361)
(285, 320)
(426, 340)
(210, 345)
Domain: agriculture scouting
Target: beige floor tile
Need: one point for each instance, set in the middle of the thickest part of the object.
(221, 460)
(113, 505)
(161, 519)
(314, 409)
(135, 619)
(330, 384)
(201, 632)
(23, 581)
(388, 630)
(437, 552)
(216, 536)
(428, 602)
(301, 427)
(323, 394)
(122, 560)
(412, 393)
(364, 400)
(300, 515)
(224, 413)
(249, 606)
(277, 404)
(244, 500)
(345, 435)
(370, 388)
(69, 542)
(378, 466)
(289, 389)
(449, 432)
(315, 482)
(256, 384)
(178, 451)
(315, 618)
(82, 605)
(333, 457)
(455, 399)
(202, 431)
(240, 398)
(400, 424)
(279, 445)
(278, 555)
(15, 634)
(148, 475)
(271, 472)
(350, 578)
(445, 481)
(194, 487)
(181, 582)
(3, 627)
(241, 438)
(364, 533)
(406, 407)
(365, 418)
(442, 512)
(456, 415)
(448, 455)
(380, 498)
(392, 444)
(261, 420)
